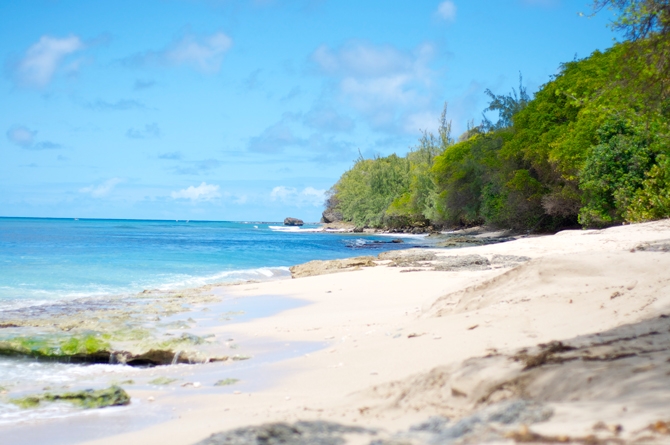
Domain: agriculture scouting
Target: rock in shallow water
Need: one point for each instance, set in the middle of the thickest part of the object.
(87, 399)
(293, 221)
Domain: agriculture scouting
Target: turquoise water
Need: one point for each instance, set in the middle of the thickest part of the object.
(44, 260)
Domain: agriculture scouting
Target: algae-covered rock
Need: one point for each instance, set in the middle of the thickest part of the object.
(319, 267)
(162, 381)
(226, 382)
(98, 348)
(87, 399)
(83, 348)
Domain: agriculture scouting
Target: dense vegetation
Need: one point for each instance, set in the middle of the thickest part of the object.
(591, 148)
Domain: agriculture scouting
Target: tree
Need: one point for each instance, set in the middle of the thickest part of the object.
(639, 19)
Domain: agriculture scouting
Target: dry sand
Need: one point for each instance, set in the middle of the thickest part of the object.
(401, 347)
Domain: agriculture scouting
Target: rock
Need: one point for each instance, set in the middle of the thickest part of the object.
(318, 267)
(462, 262)
(508, 260)
(408, 255)
(358, 229)
(87, 399)
(315, 432)
(655, 246)
(397, 241)
(330, 216)
(293, 221)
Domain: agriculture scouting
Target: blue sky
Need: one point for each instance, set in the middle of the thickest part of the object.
(248, 110)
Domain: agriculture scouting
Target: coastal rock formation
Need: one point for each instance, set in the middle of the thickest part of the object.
(293, 221)
(462, 262)
(408, 255)
(87, 399)
(330, 216)
(634, 358)
(318, 267)
(317, 432)
(510, 416)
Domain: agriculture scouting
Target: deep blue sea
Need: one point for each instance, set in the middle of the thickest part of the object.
(44, 259)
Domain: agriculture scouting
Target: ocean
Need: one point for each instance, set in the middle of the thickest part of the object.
(44, 260)
(50, 267)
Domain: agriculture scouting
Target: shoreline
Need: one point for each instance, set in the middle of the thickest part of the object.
(392, 336)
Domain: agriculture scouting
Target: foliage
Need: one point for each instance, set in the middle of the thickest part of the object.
(652, 200)
(614, 172)
(365, 192)
(392, 191)
(590, 147)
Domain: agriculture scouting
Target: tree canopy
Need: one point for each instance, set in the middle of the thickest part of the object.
(591, 147)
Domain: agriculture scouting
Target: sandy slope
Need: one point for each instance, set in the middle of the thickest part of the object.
(405, 346)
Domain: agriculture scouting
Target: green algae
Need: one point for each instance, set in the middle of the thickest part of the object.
(57, 347)
(226, 382)
(86, 399)
(162, 381)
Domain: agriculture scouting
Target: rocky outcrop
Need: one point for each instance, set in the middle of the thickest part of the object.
(317, 432)
(330, 216)
(87, 399)
(318, 267)
(93, 348)
(293, 221)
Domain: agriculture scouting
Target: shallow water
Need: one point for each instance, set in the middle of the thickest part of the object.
(43, 260)
(52, 267)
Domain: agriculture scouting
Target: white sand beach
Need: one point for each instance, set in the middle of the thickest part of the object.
(407, 343)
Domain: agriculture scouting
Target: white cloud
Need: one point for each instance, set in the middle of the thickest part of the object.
(203, 192)
(309, 196)
(205, 54)
(447, 11)
(102, 189)
(383, 83)
(21, 136)
(37, 67)
(25, 138)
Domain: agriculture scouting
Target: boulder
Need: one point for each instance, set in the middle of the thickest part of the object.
(330, 216)
(293, 222)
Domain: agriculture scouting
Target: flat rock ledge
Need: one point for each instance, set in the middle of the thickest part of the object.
(412, 260)
(319, 267)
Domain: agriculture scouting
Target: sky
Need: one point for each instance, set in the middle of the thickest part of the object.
(249, 110)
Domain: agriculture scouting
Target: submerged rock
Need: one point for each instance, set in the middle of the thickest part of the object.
(87, 399)
(319, 267)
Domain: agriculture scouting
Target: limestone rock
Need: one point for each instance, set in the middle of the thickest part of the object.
(319, 267)
(293, 221)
